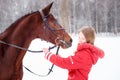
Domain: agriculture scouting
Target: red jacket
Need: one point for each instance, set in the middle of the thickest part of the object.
(80, 64)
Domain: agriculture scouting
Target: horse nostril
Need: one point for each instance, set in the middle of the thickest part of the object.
(70, 40)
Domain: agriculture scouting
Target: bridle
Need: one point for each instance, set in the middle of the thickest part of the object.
(46, 24)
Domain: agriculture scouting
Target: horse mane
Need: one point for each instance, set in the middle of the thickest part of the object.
(14, 24)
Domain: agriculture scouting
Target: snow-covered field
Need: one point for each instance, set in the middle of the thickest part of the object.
(107, 68)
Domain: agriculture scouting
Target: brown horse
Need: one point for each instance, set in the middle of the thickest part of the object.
(34, 25)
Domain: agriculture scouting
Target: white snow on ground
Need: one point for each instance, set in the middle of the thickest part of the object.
(105, 69)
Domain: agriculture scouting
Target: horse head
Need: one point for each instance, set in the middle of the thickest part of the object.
(52, 30)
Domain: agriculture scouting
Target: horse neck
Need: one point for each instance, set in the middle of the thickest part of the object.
(21, 35)
(12, 27)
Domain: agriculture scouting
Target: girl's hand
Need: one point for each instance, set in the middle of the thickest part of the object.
(45, 50)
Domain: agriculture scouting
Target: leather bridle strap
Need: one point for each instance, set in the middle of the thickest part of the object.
(15, 46)
(50, 70)
(25, 49)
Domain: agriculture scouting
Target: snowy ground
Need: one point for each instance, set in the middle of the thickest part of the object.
(105, 69)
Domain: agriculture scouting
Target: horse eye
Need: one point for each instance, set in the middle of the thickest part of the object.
(55, 23)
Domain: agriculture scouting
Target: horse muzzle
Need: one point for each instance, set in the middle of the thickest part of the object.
(65, 44)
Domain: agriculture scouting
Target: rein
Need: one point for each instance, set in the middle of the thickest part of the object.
(50, 70)
(25, 49)
(18, 47)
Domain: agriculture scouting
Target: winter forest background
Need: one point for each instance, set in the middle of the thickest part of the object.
(103, 15)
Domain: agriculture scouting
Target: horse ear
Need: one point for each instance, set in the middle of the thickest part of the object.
(46, 10)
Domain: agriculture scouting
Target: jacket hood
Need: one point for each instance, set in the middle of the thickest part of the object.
(95, 52)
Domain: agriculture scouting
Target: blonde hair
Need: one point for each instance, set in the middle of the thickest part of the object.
(89, 33)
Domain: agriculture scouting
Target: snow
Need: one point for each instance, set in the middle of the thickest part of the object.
(105, 69)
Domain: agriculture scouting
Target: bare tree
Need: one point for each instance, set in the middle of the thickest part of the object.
(65, 13)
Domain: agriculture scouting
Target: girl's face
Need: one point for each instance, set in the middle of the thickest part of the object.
(81, 38)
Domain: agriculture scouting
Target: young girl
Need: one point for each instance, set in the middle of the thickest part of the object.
(85, 56)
